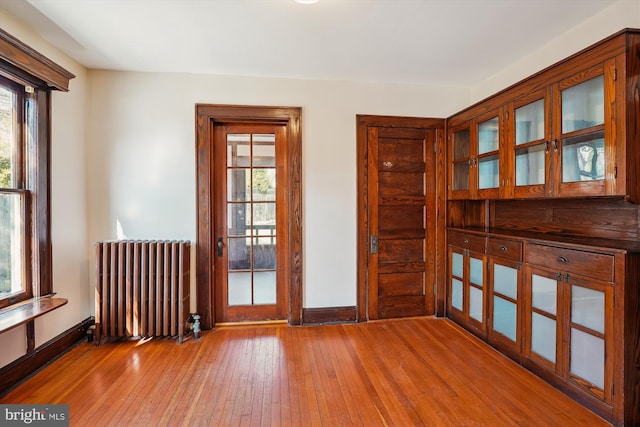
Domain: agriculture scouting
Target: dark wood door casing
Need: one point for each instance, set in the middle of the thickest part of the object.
(207, 116)
(434, 203)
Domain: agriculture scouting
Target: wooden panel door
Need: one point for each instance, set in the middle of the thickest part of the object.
(401, 206)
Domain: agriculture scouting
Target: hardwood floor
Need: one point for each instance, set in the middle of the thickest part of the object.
(420, 371)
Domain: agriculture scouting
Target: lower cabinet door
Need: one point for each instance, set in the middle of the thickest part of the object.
(590, 344)
(543, 319)
(504, 296)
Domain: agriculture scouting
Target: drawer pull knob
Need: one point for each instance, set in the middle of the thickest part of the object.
(503, 248)
(466, 240)
(563, 259)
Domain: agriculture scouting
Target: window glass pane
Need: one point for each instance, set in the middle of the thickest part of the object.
(7, 137)
(238, 184)
(238, 219)
(583, 160)
(488, 172)
(461, 144)
(488, 136)
(456, 264)
(587, 308)
(505, 281)
(583, 105)
(264, 185)
(264, 150)
(461, 176)
(543, 292)
(264, 287)
(239, 253)
(456, 294)
(475, 303)
(543, 336)
(11, 244)
(476, 268)
(238, 150)
(530, 165)
(239, 286)
(264, 256)
(587, 357)
(504, 317)
(530, 122)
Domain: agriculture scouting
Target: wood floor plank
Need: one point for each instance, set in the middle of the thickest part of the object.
(420, 371)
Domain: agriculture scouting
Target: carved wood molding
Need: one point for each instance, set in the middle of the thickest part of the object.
(18, 54)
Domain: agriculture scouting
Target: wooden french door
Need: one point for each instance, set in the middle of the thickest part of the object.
(397, 217)
(250, 222)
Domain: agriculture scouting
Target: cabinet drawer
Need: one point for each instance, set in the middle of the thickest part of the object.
(587, 264)
(504, 248)
(467, 241)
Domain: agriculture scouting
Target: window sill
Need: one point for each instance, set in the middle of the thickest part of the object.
(23, 312)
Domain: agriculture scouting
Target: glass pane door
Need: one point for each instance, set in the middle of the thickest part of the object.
(544, 294)
(251, 219)
(488, 161)
(530, 145)
(505, 296)
(587, 335)
(583, 153)
(461, 160)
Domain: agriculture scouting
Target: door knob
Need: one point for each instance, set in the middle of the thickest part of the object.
(220, 246)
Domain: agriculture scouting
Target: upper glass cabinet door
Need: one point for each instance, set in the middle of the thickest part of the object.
(461, 160)
(583, 105)
(488, 159)
(583, 153)
(530, 144)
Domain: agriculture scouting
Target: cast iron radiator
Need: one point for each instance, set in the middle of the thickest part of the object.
(142, 288)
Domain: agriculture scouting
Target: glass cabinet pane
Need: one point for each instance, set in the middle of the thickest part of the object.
(544, 293)
(461, 176)
(475, 303)
(587, 357)
(488, 136)
(583, 158)
(504, 317)
(583, 105)
(505, 281)
(456, 264)
(587, 308)
(456, 294)
(488, 172)
(461, 146)
(476, 267)
(530, 122)
(530, 165)
(543, 336)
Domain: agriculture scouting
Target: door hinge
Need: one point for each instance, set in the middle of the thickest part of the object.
(615, 74)
(435, 146)
(435, 289)
(615, 171)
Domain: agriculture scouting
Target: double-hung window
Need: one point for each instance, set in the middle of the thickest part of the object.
(26, 82)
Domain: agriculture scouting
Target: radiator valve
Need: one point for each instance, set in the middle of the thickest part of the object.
(196, 326)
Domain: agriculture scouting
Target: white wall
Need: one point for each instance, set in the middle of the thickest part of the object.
(68, 202)
(142, 157)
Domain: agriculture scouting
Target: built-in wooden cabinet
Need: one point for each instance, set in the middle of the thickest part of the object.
(557, 308)
(568, 131)
(542, 195)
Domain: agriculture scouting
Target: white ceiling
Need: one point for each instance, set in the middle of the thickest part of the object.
(442, 42)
